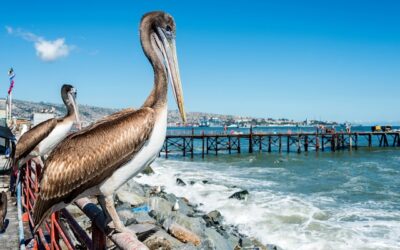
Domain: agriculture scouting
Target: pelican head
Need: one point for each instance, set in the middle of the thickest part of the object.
(162, 39)
(69, 93)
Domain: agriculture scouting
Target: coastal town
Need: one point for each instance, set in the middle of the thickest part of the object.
(35, 112)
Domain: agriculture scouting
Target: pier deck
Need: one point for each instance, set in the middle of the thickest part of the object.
(204, 144)
(9, 238)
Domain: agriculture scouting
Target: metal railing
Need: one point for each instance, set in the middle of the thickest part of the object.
(61, 230)
(53, 234)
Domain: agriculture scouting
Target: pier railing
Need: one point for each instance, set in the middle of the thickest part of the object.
(189, 143)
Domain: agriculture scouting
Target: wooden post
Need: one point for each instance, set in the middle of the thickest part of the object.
(251, 140)
(192, 143)
(269, 143)
(386, 143)
(202, 144)
(207, 140)
(306, 143)
(333, 146)
(238, 138)
(369, 140)
(356, 141)
(398, 140)
(288, 144)
(280, 143)
(260, 139)
(184, 146)
(216, 145)
(229, 145)
(298, 144)
(323, 142)
(166, 148)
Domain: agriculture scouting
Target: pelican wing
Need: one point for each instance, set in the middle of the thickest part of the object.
(107, 118)
(86, 158)
(33, 137)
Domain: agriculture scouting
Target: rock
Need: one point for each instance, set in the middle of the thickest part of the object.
(194, 224)
(273, 247)
(246, 243)
(216, 241)
(131, 198)
(161, 208)
(180, 182)
(143, 218)
(133, 186)
(183, 234)
(184, 207)
(128, 217)
(142, 228)
(213, 218)
(163, 241)
(192, 182)
(205, 181)
(240, 195)
(148, 170)
(169, 197)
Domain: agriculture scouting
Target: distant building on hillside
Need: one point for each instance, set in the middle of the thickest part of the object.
(40, 117)
(3, 112)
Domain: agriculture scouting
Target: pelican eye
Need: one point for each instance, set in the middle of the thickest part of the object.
(168, 28)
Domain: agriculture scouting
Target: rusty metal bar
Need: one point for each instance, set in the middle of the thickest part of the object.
(121, 240)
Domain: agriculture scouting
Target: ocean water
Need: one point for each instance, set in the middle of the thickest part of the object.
(325, 200)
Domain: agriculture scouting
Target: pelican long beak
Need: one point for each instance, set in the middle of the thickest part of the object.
(171, 63)
(72, 97)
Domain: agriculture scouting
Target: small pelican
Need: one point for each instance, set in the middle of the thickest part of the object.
(101, 158)
(176, 206)
(42, 138)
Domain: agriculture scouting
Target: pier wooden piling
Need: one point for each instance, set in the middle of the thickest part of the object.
(219, 143)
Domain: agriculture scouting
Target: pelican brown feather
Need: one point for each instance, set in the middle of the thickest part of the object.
(43, 137)
(33, 137)
(101, 158)
(93, 155)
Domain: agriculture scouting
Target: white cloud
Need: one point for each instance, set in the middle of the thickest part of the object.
(9, 30)
(46, 50)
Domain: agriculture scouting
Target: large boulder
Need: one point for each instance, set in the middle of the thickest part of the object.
(180, 182)
(163, 241)
(131, 198)
(194, 224)
(214, 240)
(213, 218)
(240, 195)
(184, 206)
(133, 186)
(183, 234)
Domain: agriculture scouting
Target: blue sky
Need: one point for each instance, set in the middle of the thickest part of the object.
(335, 60)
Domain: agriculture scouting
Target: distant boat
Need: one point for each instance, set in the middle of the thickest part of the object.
(233, 126)
(204, 123)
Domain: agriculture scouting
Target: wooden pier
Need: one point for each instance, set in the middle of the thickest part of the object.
(217, 143)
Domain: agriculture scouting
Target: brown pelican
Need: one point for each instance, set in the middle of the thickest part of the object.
(41, 139)
(99, 159)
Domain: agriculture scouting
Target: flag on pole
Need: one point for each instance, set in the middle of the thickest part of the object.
(11, 75)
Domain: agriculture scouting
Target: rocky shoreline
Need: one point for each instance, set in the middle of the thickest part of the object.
(164, 221)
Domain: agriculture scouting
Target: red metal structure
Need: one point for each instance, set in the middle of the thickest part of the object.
(53, 234)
